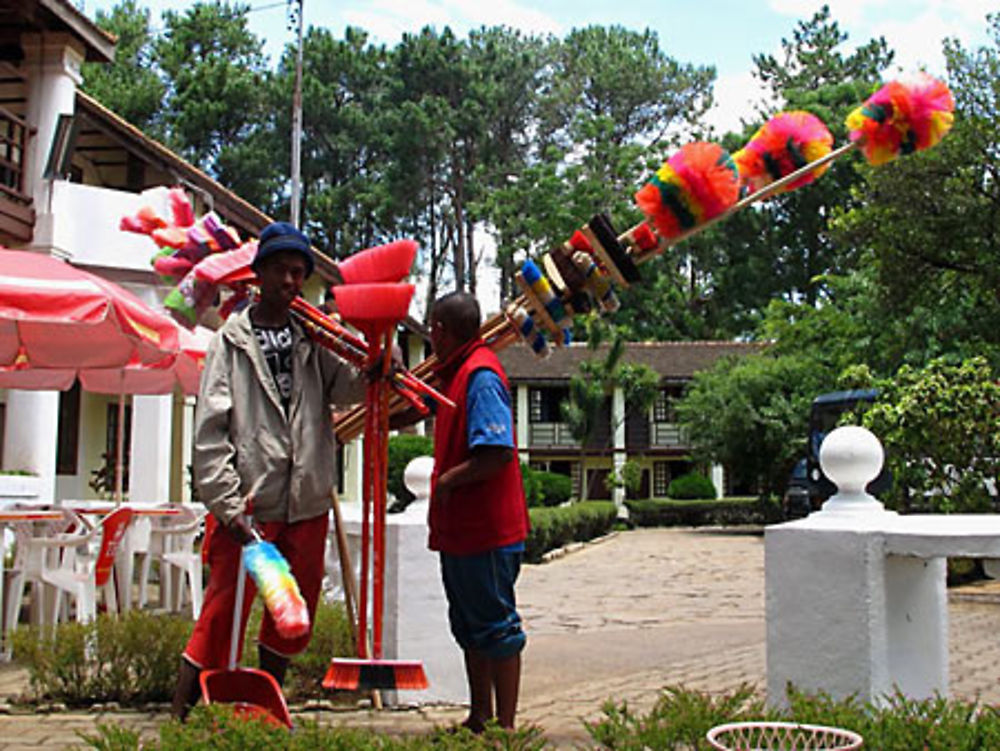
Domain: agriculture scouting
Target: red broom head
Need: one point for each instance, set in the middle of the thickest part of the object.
(697, 183)
(784, 144)
(384, 263)
(579, 241)
(373, 306)
(902, 117)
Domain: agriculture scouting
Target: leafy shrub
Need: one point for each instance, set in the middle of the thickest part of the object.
(403, 449)
(217, 727)
(532, 485)
(552, 528)
(692, 486)
(681, 718)
(724, 512)
(133, 659)
(555, 489)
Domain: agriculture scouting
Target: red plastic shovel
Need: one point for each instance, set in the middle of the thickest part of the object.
(253, 693)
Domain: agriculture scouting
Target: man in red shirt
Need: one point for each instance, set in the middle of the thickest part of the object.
(478, 516)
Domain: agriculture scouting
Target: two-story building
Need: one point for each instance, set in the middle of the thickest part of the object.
(651, 438)
(69, 170)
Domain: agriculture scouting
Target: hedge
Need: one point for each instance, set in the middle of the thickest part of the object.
(725, 512)
(551, 528)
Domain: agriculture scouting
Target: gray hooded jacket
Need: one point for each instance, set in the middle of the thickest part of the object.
(245, 443)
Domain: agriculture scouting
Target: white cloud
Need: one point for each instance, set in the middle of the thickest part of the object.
(387, 20)
(736, 97)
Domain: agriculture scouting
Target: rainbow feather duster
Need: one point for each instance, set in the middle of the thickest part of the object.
(273, 577)
(696, 184)
(902, 117)
(785, 143)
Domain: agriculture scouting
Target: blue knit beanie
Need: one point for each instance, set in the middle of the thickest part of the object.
(280, 236)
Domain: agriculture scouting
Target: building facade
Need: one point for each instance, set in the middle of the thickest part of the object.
(652, 438)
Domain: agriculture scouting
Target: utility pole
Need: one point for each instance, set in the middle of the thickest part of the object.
(295, 9)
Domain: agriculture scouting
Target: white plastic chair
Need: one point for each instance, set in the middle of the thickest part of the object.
(27, 568)
(781, 736)
(173, 542)
(66, 563)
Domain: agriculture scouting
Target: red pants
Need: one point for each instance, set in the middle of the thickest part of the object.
(303, 545)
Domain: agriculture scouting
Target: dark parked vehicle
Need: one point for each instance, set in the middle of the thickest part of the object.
(795, 502)
(807, 477)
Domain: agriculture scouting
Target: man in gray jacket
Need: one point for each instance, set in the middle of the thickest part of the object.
(264, 455)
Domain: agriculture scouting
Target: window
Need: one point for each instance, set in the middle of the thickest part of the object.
(664, 408)
(68, 441)
(111, 442)
(543, 403)
(661, 479)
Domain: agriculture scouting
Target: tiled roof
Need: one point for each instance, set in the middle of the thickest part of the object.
(673, 360)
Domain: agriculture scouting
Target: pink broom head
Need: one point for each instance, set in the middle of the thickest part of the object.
(782, 145)
(180, 207)
(696, 184)
(273, 577)
(384, 263)
(902, 117)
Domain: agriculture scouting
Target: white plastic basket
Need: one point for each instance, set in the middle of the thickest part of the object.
(781, 736)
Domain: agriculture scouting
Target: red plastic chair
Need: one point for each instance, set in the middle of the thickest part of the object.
(75, 572)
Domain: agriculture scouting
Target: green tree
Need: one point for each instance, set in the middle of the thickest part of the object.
(750, 415)
(129, 85)
(939, 428)
(926, 225)
(216, 72)
(591, 389)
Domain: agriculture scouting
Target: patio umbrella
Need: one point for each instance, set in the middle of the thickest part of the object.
(59, 323)
(54, 315)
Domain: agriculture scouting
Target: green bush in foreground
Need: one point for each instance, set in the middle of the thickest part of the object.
(216, 727)
(678, 721)
(133, 659)
(690, 487)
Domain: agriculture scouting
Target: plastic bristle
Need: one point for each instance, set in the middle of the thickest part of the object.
(384, 263)
(364, 675)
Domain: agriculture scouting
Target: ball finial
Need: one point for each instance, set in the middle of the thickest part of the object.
(417, 477)
(851, 456)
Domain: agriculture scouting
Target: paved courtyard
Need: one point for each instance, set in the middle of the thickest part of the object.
(619, 620)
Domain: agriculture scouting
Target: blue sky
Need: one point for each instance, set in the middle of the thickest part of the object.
(723, 33)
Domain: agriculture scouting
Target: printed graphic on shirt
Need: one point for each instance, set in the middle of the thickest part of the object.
(276, 346)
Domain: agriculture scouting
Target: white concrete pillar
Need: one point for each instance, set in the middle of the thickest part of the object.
(30, 436)
(187, 447)
(618, 457)
(523, 425)
(354, 460)
(718, 480)
(151, 449)
(415, 625)
(52, 62)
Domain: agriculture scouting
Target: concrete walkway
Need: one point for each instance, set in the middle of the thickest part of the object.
(617, 620)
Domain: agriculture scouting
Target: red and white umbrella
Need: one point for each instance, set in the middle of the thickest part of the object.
(59, 323)
(56, 316)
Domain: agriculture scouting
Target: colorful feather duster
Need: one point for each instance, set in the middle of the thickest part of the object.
(273, 577)
(785, 143)
(696, 184)
(902, 117)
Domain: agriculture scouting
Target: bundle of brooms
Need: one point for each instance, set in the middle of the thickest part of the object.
(697, 187)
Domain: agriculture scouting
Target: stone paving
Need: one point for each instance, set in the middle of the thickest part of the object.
(618, 620)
